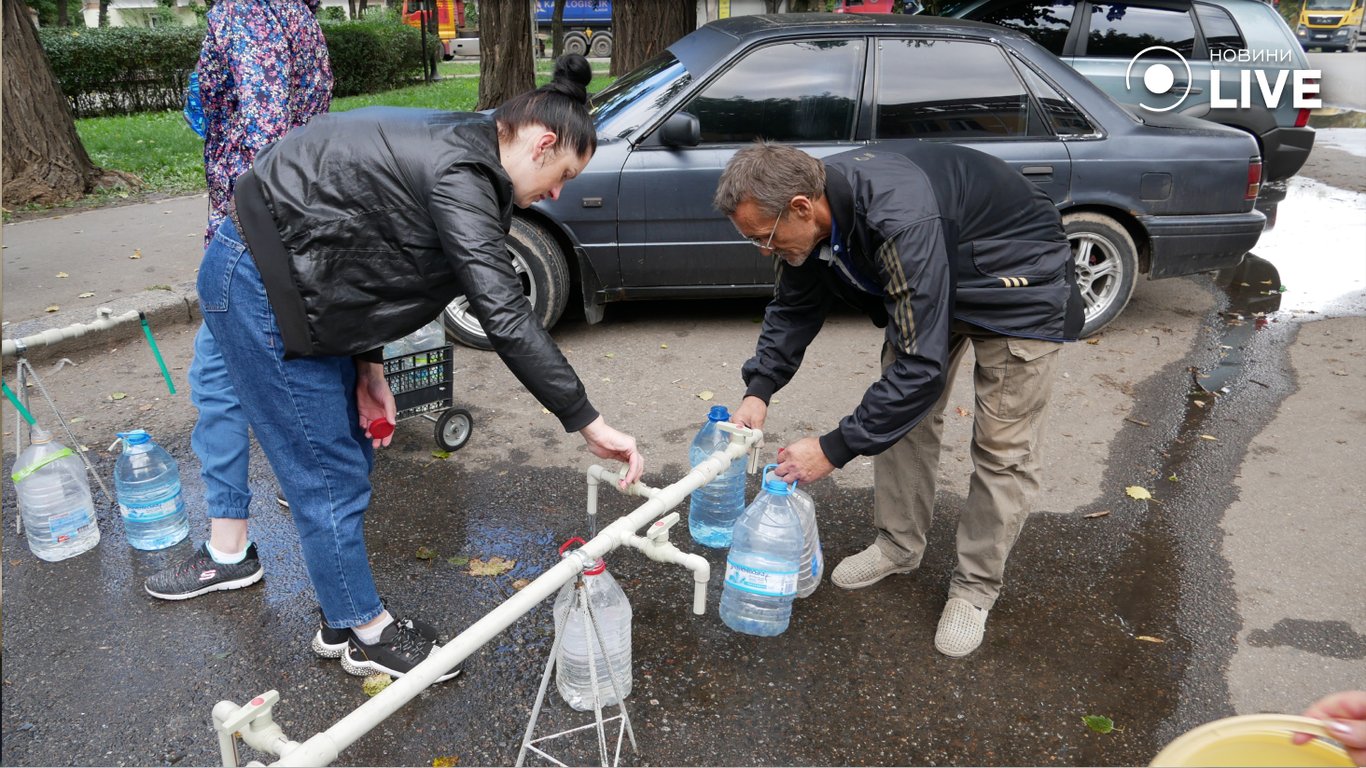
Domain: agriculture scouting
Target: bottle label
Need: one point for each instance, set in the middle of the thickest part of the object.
(151, 511)
(65, 526)
(760, 582)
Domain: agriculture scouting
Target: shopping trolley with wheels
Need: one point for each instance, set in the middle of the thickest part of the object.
(423, 386)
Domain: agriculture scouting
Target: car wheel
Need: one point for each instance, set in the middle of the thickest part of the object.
(539, 264)
(1107, 266)
(602, 45)
(575, 42)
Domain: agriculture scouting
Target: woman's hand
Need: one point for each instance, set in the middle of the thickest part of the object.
(374, 399)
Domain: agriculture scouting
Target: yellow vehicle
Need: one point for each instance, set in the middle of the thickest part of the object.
(1330, 25)
(450, 19)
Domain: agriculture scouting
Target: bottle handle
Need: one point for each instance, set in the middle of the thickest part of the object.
(763, 477)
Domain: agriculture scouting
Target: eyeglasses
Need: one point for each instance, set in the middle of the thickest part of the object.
(767, 245)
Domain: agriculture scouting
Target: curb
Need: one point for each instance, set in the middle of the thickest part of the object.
(162, 308)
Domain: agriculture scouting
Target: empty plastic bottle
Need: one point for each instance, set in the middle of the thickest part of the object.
(764, 561)
(715, 506)
(613, 614)
(147, 483)
(813, 559)
(429, 336)
(53, 492)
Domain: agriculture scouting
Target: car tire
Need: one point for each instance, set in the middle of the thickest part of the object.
(601, 46)
(575, 42)
(540, 264)
(1107, 266)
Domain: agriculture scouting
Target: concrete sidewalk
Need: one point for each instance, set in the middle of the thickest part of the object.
(141, 257)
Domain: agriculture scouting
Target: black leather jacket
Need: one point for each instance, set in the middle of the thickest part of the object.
(366, 224)
(929, 235)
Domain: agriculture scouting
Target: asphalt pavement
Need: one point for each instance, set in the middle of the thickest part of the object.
(1234, 591)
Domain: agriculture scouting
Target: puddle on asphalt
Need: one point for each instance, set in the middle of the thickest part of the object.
(1318, 247)
(1337, 118)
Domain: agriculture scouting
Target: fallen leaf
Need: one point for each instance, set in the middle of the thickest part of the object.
(1208, 437)
(425, 553)
(63, 274)
(376, 683)
(85, 295)
(222, 655)
(518, 584)
(137, 253)
(963, 412)
(118, 396)
(1136, 421)
(447, 761)
(494, 566)
(1173, 478)
(459, 561)
(441, 454)
(1198, 403)
(146, 407)
(1339, 373)
(1101, 513)
(1098, 723)
(1094, 341)
(545, 410)
(610, 355)
(1150, 639)
(1138, 492)
(663, 346)
(705, 394)
(52, 308)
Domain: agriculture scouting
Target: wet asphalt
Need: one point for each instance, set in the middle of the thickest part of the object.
(95, 673)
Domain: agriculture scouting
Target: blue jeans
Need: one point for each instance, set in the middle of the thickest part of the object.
(220, 437)
(303, 412)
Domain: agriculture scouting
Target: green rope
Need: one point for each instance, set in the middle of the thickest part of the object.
(165, 374)
(18, 406)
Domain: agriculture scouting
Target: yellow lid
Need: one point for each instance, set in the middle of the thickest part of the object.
(1253, 740)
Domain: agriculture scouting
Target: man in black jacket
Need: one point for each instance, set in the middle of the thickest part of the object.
(944, 247)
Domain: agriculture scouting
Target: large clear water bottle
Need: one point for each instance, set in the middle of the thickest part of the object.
(53, 492)
(715, 506)
(813, 559)
(613, 614)
(764, 561)
(147, 483)
(429, 336)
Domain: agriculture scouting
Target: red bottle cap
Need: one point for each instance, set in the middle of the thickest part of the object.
(381, 428)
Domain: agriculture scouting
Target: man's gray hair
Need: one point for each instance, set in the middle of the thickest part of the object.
(770, 175)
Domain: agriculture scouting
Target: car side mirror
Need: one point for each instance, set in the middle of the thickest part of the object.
(682, 129)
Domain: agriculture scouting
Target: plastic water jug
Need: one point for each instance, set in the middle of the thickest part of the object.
(429, 336)
(53, 492)
(764, 561)
(813, 559)
(147, 483)
(715, 506)
(613, 614)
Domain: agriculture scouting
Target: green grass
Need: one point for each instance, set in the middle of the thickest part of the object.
(161, 149)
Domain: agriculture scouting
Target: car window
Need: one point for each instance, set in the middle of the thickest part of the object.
(1123, 30)
(803, 91)
(1063, 117)
(933, 89)
(622, 106)
(1221, 34)
(1047, 21)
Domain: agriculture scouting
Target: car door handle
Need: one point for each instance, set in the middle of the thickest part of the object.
(1183, 84)
(1037, 170)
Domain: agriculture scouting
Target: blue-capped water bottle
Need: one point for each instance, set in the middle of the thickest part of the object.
(764, 561)
(813, 559)
(147, 483)
(715, 506)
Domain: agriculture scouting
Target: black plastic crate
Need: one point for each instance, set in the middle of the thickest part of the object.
(421, 381)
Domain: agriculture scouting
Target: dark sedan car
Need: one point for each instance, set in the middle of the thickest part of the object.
(1164, 196)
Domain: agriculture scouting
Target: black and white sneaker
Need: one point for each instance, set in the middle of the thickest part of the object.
(200, 574)
(330, 643)
(401, 646)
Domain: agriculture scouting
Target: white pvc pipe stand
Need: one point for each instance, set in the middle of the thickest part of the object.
(323, 748)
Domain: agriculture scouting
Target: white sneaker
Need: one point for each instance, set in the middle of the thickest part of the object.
(865, 569)
(961, 627)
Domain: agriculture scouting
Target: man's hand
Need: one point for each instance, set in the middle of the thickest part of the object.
(803, 461)
(751, 413)
(607, 443)
(374, 399)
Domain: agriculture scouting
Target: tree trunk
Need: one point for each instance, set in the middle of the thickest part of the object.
(44, 160)
(557, 29)
(771, 6)
(505, 61)
(805, 6)
(641, 29)
(360, 8)
(354, 11)
(63, 13)
(104, 13)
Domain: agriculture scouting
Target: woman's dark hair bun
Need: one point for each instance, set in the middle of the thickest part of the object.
(572, 76)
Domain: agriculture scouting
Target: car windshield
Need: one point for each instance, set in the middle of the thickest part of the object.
(622, 106)
(1328, 5)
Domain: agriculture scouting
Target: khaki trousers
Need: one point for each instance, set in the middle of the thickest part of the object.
(1013, 379)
